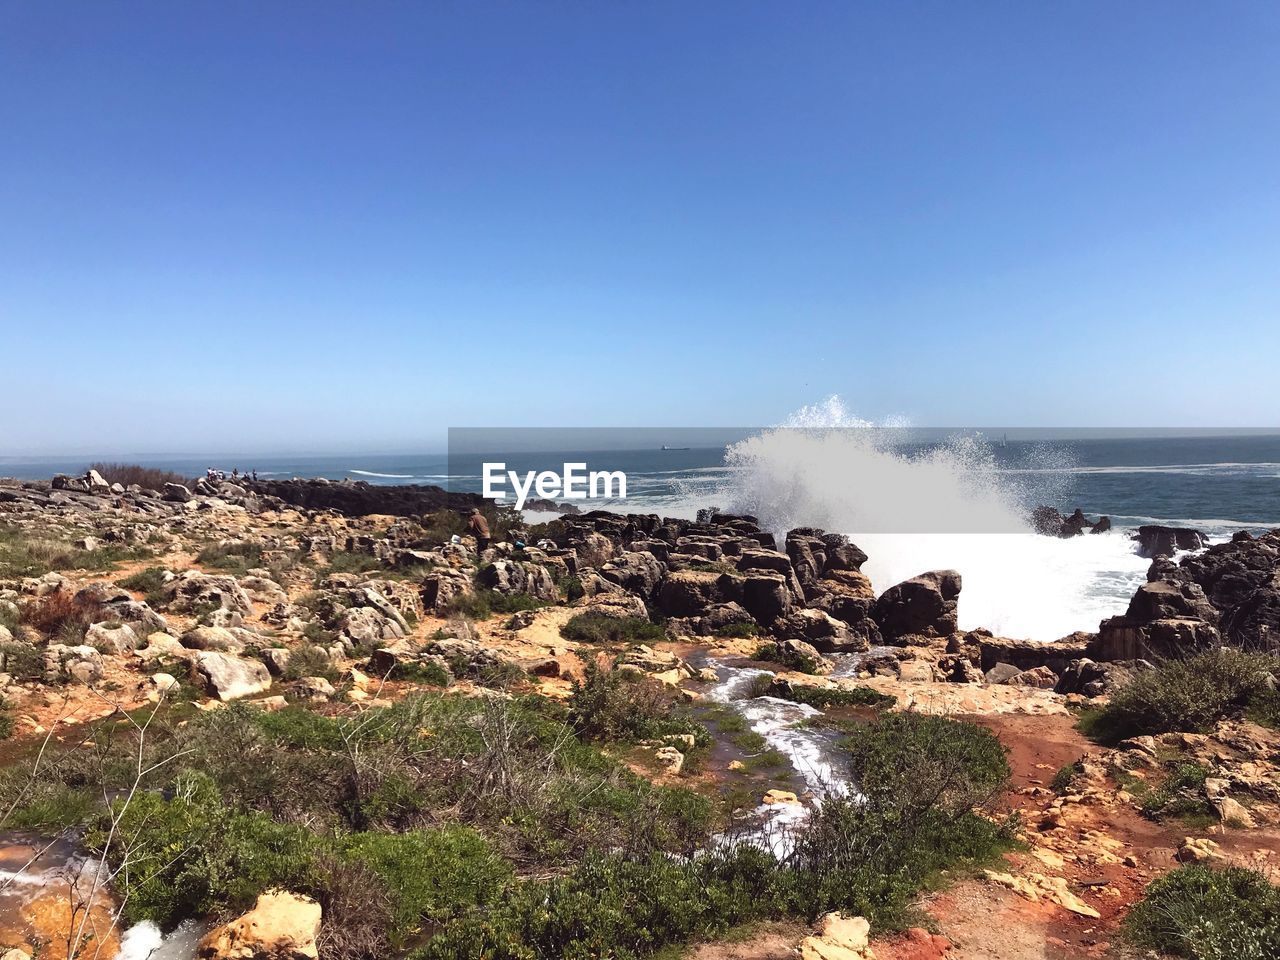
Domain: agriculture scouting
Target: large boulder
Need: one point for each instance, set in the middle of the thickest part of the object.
(369, 626)
(228, 677)
(1162, 599)
(442, 587)
(922, 606)
(766, 596)
(515, 576)
(194, 591)
(81, 664)
(688, 593)
(635, 572)
(823, 631)
(109, 637)
(281, 926)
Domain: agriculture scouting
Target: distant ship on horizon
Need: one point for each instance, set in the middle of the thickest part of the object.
(665, 447)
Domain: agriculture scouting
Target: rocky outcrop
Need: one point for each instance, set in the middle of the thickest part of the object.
(196, 592)
(281, 926)
(823, 631)
(515, 576)
(923, 606)
(1160, 541)
(1165, 618)
(1050, 523)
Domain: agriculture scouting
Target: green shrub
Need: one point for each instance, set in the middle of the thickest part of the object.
(308, 660)
(600, 630)
(344, 561)
(614, 907)
(1264, 708)
(1187, 695)
(148, 581)
(22, 661)
(1206, 914)
(192, 856)
(1066, 776)
(743, 630)
(825, 697)
(626, 705)
(787, 657)
(232, 557)
(432, 875)
(571, 589)
(1180, 795)
(910, 764)
(428, 672)
(484, 603)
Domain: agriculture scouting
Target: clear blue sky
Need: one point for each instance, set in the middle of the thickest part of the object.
(310, 226)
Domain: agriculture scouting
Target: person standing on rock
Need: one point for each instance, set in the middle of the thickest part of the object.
(478, 527)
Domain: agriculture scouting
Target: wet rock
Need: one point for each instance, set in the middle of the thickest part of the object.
(922, 606)
(1160, 541)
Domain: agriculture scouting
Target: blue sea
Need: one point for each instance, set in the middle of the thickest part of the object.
(1217, 483)
(911, 505)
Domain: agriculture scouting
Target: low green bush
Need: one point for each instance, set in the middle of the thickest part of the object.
(192, 856)
(600, 630)
(231, 557)
(911, 764)
(309, 660)
(482, 603)
(1187, 695)
(1181, 795)
(1066, 777)
(626, 705)
(782, 655)
(22, 661)
(344, 561)
(1203, 913)
(432, 875)
(148, 581)
(826, 697)
(614, 907)
(743, 630)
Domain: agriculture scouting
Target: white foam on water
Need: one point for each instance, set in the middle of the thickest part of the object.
(145, 941)
(1021, 585)
(948, 507)
(781, 724)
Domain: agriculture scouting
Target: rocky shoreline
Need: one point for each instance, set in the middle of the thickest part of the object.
(347, 596)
